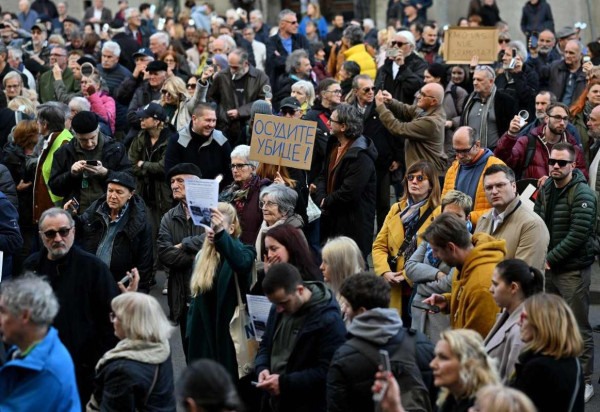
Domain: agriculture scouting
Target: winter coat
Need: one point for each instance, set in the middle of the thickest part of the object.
(132, 245)
(44, 380)
(211, 311)
(142, 95)
(423, 132)
(152, 183)
(359, 54)
(174, 229)
(113, 156)
(556, 76)
(46, 85)
(505, 109)
(8, 185)
(402, 87)
(522, 86)
(136, 375)
(21, 167)
(536, 374)
(513, 151)
(277, 54)
(388, 242)
(480, 203)
(570, 225)
(318, 113)
(302, 385)
(104, 105)
(525, 233)
(11, 240)
(504, 343)
(222, 91)
(453, 105)
(471, 304)
(43, 195)
(84, 288)
(351, 372)
(537, 17)
(349, 208)
(321, 24)
(212, 156)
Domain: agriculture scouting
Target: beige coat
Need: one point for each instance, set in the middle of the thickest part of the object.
(504, 343)
(423, 131)
(526, 234)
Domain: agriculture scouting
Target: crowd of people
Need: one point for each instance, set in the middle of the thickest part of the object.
(403, 268)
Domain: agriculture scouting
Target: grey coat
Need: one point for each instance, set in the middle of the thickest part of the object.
(504, 343)
(424, 277)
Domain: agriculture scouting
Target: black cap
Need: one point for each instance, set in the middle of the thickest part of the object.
(290, 102)
(153, 110)
(184, 169)
(122, 178)
(72, 20)
(116, 24)
(84, 122)
(144, 51)
(157, 66)
(87, 59)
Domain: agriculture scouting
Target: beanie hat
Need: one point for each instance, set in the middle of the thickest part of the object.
(84, 122)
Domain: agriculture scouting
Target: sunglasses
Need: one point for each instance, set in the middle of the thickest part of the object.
(398, 43)
(419, 178)
(191, 86)
(51, 234)
(164, 92)
(506, 41)
(462, 151)
(368, 89)
(561, 163)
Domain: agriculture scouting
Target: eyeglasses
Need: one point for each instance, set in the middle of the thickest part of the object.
(398, 43)
(51, 234)
(559, 118)
(336, 91)
(368, 89)
(57, 55)
(268, 203)
(500, 41)
(462, 151)
(238, 166)
(419, 178)
(291, 22)
(561, 163)
(112, 317)
(191, 86)
(335, 121)
(421, 94)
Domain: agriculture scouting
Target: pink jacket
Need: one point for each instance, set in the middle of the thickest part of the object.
(104, 105)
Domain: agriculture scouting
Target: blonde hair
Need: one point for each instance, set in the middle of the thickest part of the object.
(477, 369)
(344, 259)
(554, 328)
(207, 260)
(176, 88)
(23, 104)
(500, 398)
(141, 317)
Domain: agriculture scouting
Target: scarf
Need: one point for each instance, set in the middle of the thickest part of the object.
(410, 217)
(489, 103)
(238, 195)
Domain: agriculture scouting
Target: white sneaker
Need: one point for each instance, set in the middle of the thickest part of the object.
(589, 392)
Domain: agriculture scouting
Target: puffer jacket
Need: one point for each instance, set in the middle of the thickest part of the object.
(569, 225)
(104, 105)
(513, 151)
(132, 246)
(359, 54)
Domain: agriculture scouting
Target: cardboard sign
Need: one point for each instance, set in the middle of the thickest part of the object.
(462, 43)
(282, 141)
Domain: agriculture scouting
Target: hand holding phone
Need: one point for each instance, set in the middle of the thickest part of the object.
(385, 366)
(91, 162)
(425, 306)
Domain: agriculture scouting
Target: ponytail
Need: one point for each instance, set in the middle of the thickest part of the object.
(530, 279)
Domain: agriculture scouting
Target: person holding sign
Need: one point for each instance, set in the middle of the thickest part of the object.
(346, 187)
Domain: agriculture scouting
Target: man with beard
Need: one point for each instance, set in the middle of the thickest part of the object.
(429, 45)
(545, 52)
(542, 100)
(565, 78)
(528, 154)
(568, 206)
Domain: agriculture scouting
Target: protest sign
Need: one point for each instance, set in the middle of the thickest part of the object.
(201, 195)
(283, 141)
(462, 43)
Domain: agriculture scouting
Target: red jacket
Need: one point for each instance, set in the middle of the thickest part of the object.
(512, 150)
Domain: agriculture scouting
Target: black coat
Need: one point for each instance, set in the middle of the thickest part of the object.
(132, 245)
(277, 54)
(317, 114)
(505, 109)
(349, 208)
(21, 167)
(403, 87)
(549, 382)
(522, 86)
(123, 385)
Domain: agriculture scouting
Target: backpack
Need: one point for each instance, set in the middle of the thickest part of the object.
(403, 360)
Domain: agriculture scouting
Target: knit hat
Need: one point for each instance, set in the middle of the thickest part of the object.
(437, 70)
(184, 169)
(84, 122)
(260, 107)
(123, 179)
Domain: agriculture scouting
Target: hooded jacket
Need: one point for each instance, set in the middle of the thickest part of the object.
(349, 204)
(351, 372)
(302, 384)
(472, 306)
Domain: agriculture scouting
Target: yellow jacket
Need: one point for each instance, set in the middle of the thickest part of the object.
(472, 306)
(480, 203)
(388, 242)
(361, 56)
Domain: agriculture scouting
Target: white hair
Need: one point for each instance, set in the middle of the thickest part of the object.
(162, 37)
(368, 23)
(112, 47)
(231, 45)
(128, 11)
(408, 36)
(257, 13)
(33, 294)
(243, 151)
(80, 104)
(232, 13)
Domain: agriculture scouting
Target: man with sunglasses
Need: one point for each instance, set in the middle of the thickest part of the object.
(568, 206)
(527, 153)
(84, 287)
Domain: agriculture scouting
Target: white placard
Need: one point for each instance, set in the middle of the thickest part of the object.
(201, 195)
(258, 309)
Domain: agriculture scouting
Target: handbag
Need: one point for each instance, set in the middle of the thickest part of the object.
(393, 260)
(243, 335)
(312, 210)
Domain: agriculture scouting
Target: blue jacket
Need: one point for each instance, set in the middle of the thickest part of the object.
(44, 380)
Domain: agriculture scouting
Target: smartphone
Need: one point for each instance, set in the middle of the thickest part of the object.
(75, 204)
(392, 52)
(425, 306)
(533, 41)
(91, 162)
(125, 281)
(161, 24)
(384, 361)
(587, 59)
(105, 28)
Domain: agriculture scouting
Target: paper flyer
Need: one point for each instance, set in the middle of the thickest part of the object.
(258, 309)
(201, 195)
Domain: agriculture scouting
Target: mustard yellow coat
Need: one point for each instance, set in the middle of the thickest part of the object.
(388, 242)
(361, 56)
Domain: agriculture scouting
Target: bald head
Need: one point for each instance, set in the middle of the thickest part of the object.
(435, 90)
(593, 123)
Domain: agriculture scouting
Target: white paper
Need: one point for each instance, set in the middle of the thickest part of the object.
(526, 197)
(201, 195)
(258, 309)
